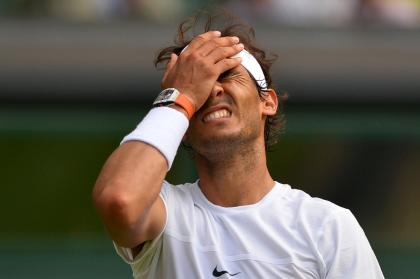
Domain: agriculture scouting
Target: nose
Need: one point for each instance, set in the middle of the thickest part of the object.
(217, 89)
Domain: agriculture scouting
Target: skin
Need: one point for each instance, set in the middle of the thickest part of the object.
(229, 152)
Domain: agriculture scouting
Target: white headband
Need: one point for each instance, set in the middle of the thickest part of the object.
(253, 67)
(251, 64)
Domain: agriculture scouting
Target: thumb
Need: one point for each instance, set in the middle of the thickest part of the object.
(171, 62)
(169, 66)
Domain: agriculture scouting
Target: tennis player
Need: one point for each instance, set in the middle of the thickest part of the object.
(235, 220)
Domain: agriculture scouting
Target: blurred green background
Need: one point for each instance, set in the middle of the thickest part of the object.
(76, 76)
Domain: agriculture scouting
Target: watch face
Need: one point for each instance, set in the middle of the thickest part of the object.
(166, 97)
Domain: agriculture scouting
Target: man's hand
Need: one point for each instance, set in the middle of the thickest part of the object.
(196, 70)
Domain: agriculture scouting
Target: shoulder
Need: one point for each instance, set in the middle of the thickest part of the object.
(320, 214)
(315, 217)
(179, 205)
(337, 236)
(312, 210)
(179, 191)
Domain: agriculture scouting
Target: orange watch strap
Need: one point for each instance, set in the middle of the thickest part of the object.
(186, 104)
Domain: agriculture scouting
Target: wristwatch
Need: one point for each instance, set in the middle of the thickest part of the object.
(170, 96)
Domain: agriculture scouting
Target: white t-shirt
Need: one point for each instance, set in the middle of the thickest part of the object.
(287, 234)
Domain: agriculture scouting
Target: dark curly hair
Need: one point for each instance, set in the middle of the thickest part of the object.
(230, 25)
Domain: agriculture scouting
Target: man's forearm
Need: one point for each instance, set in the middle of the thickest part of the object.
(127, 187)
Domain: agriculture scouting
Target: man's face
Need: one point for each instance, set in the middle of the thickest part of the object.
(231, 117)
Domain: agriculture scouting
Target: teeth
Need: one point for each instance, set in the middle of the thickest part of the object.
(217, 114)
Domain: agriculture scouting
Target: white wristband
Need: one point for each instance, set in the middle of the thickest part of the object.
(162, 128)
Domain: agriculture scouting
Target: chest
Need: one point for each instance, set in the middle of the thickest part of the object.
(256, 244)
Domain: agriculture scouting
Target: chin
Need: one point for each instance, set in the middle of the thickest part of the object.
(220, 136)
(222, 142)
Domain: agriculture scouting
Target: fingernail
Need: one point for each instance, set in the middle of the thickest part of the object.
(217, 33)
(235, 39)
(240, 46)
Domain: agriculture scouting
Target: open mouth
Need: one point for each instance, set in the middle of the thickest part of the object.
(221, 113)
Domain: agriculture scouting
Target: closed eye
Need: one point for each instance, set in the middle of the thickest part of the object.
(228, 74)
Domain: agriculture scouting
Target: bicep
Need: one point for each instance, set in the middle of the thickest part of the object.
(152, 226)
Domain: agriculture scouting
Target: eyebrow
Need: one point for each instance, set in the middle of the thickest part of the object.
(226, 73)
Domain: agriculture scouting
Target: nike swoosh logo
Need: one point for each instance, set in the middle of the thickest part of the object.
(217, 273)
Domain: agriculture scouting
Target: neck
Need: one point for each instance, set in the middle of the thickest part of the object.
(234, 178)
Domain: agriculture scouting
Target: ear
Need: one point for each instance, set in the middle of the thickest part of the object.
(269, 102)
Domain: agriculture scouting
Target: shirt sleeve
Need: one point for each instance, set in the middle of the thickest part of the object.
(345, 249)
(144, 264)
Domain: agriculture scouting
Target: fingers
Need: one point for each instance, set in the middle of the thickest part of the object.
(224, 52)
(201, 39)
(227, 64)
(210, 53)
(213, 44)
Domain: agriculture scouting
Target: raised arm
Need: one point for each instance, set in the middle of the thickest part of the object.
(126, 193)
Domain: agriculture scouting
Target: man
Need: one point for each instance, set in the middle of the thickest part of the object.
(235, 221)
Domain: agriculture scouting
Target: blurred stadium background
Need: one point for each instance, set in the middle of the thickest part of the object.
(76, 76)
